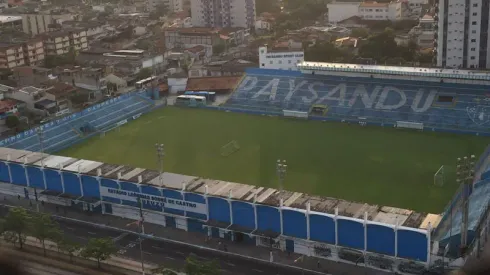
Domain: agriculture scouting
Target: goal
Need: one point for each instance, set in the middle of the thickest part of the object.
(230, 148)
(439, 177)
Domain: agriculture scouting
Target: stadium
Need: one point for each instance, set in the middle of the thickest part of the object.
(371, 152)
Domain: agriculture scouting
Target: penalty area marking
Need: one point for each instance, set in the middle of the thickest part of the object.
(148, 122)
(160, 117)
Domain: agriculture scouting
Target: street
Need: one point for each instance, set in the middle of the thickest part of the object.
(168, 254)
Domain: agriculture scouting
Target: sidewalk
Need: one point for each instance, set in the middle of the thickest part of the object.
(262, 253)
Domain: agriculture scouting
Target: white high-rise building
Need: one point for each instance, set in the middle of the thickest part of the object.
(462, 34)
(223, 13)
(172, 5)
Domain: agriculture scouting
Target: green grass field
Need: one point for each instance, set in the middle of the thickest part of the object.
(376, 165)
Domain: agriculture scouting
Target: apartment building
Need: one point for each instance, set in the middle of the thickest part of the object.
(60, 42)
(10, 22)
(172, 5)
(16, 52)
(280, 59)
(462, 34)
(35, 24)
(381, 11)
(223, 13)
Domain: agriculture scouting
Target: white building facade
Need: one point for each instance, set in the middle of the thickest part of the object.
(340, 10)
(223, 13)
(462, 34)
(280, 60)
(381, 11)
(172, 5)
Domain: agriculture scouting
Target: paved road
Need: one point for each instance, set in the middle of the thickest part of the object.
(171, 254)
(39, 269)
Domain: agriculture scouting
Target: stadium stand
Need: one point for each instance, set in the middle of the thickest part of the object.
(441, 105)
(68, 130)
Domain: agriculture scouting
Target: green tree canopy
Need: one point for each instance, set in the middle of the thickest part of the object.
(15, 226)
(327, 52)
(271, 6)
(69, 247)
(99, 249)
(195, 267)
(360, 33)
(12, 121)
(219, 48)
(43, 228)
(143, 73)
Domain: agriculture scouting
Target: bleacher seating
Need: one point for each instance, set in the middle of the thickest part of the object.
(67, 133)
(441, 105)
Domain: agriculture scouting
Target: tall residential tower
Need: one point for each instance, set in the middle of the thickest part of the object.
(223, 13)
(462, 34)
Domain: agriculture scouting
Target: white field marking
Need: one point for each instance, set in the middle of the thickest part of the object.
(160, 117)
(92, 233)
(83, 238)
(157, 247)
(180, 253)
(257, 270)
(149, 253)
(230, 264)
(148, 122)
(170, 258)
(70, 228)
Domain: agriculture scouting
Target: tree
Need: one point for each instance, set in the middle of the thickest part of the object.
(78, 99)
(143, 73)
(327, 52)
(380, 46)
(360, 32)
(271, 6)
(12, 121)
(99, 249)
(68, 247)
(16, 225)
(195, 267)
(43, 228)
(218, 49)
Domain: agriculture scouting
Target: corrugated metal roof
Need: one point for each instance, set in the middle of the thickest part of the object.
(264, 195)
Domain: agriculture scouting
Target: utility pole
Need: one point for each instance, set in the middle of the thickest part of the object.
(142, 231)
(281, 168)
(464, 176)
(160, 154)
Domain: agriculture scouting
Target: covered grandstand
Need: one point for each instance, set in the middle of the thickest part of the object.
(358, 97)
(66, 131)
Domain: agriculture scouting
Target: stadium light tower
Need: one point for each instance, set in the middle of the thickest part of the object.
(40, 136)
(160, 154)
(464, 176)
(281, 168)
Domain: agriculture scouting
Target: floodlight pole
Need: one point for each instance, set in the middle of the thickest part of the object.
(464, 176)
(40, 135)
(160, 154)
(281, 168)
(142, 231)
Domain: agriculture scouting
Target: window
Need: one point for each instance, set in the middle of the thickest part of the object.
(475, 5)
(472, 58)
(271, 62)
(473, 40)
(473, 31)
(289, 61)
(263, 64)
(473, 23)
(473, 49)
(280, 61)
(474, 14)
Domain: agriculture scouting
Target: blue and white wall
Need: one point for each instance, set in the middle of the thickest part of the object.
(191, 211)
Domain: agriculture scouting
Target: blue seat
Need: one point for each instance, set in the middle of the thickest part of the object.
(387, 100)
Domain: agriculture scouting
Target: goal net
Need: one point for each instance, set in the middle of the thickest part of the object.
(230, 148)
(439, 177)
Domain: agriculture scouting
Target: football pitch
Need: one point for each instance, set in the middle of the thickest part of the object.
(375, 165)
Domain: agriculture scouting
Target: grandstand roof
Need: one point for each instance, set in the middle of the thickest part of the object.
(396, 70)
(249, 193)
